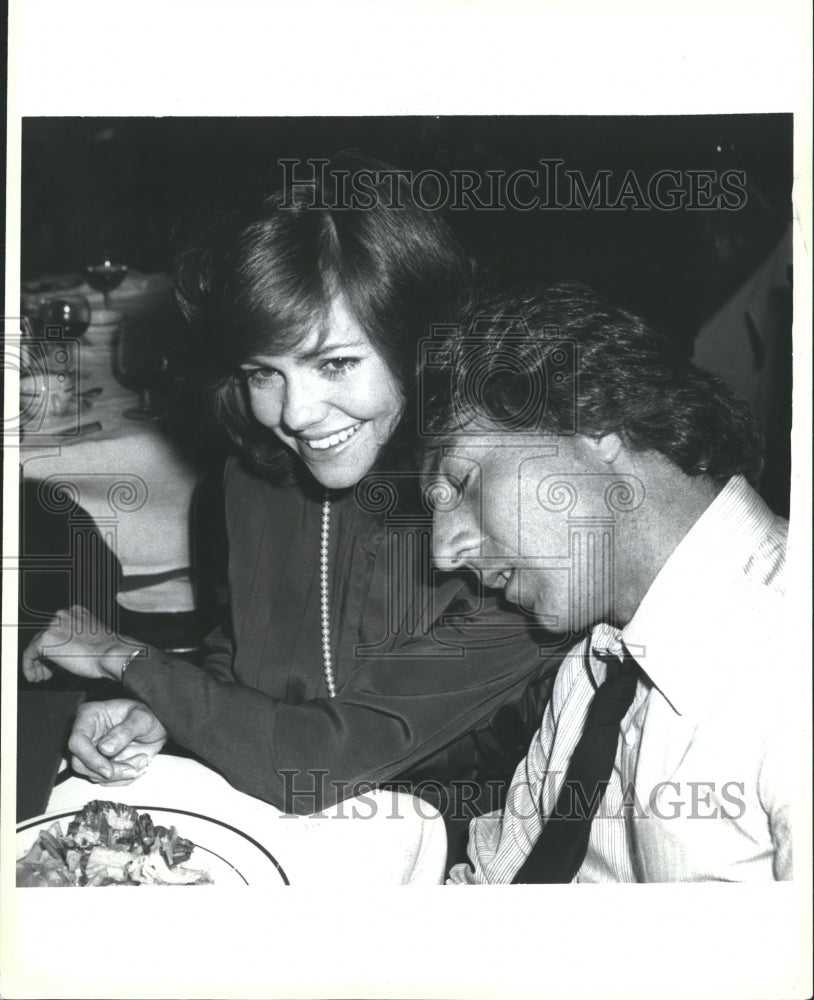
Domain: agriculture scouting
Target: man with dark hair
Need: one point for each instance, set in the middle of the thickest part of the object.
(601, 482)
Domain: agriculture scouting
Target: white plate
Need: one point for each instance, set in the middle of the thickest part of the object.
(229, 856)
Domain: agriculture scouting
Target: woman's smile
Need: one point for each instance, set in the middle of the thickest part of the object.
(331, 441)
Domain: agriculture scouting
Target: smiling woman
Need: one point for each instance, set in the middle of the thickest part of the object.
(283, 276)
(345, 659)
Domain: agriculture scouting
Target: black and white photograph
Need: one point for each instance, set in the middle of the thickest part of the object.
(401, 506)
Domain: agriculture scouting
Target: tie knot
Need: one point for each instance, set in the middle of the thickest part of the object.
(606, 643)
(608, 647)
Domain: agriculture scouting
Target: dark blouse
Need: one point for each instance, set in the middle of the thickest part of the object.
(421, 671)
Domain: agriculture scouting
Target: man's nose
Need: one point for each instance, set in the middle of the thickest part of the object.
(455, 538)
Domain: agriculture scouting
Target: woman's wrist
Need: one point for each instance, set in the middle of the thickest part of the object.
(116, 661)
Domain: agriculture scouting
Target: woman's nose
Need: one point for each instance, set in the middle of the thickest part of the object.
(455, 538)
(302, 405)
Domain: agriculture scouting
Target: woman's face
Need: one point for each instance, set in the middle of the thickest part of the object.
(334, 404)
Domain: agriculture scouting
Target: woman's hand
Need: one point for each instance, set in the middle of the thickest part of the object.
(76, 642)
(114, 741)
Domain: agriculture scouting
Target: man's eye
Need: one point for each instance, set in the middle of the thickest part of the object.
(448, 485)
(336, 367)
(468, 479)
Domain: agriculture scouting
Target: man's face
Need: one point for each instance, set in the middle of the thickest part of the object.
(529, 514)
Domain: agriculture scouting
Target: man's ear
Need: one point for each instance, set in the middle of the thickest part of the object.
(606, 448)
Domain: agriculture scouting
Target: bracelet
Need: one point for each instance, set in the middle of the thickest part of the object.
(130, 657)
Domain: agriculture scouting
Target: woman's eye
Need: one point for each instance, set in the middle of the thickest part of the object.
(260, 377)
(336, 367)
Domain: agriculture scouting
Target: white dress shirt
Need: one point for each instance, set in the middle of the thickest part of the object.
(702, 782)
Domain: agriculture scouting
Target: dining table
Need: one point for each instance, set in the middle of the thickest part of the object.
(380, 837)
(131, 476)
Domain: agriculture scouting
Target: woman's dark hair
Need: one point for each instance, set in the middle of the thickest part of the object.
(259, 280)
(563, 360)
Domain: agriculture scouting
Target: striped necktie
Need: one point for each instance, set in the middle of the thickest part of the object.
(560, 850)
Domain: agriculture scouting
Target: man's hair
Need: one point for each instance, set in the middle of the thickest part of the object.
(261, 279)
(564, 360)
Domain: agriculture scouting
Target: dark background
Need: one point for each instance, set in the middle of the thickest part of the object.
(119, 183)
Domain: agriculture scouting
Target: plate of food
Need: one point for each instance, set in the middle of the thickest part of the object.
(109, 843)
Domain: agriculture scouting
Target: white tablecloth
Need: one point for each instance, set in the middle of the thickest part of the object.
(131, 479)
(384, 838)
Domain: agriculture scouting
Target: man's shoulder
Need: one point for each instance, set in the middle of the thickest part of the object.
(753, 601)
(754, 534)
(766, 567)
(733, 571)
(747, 625)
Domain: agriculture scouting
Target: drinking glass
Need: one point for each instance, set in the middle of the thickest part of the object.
(105, 276)
(71, 313)
(140, 364)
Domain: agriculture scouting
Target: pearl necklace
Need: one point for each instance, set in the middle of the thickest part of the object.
(323, 597)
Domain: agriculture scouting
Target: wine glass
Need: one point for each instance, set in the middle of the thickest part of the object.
(105, 276)
(70, 313)
(139, 364)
